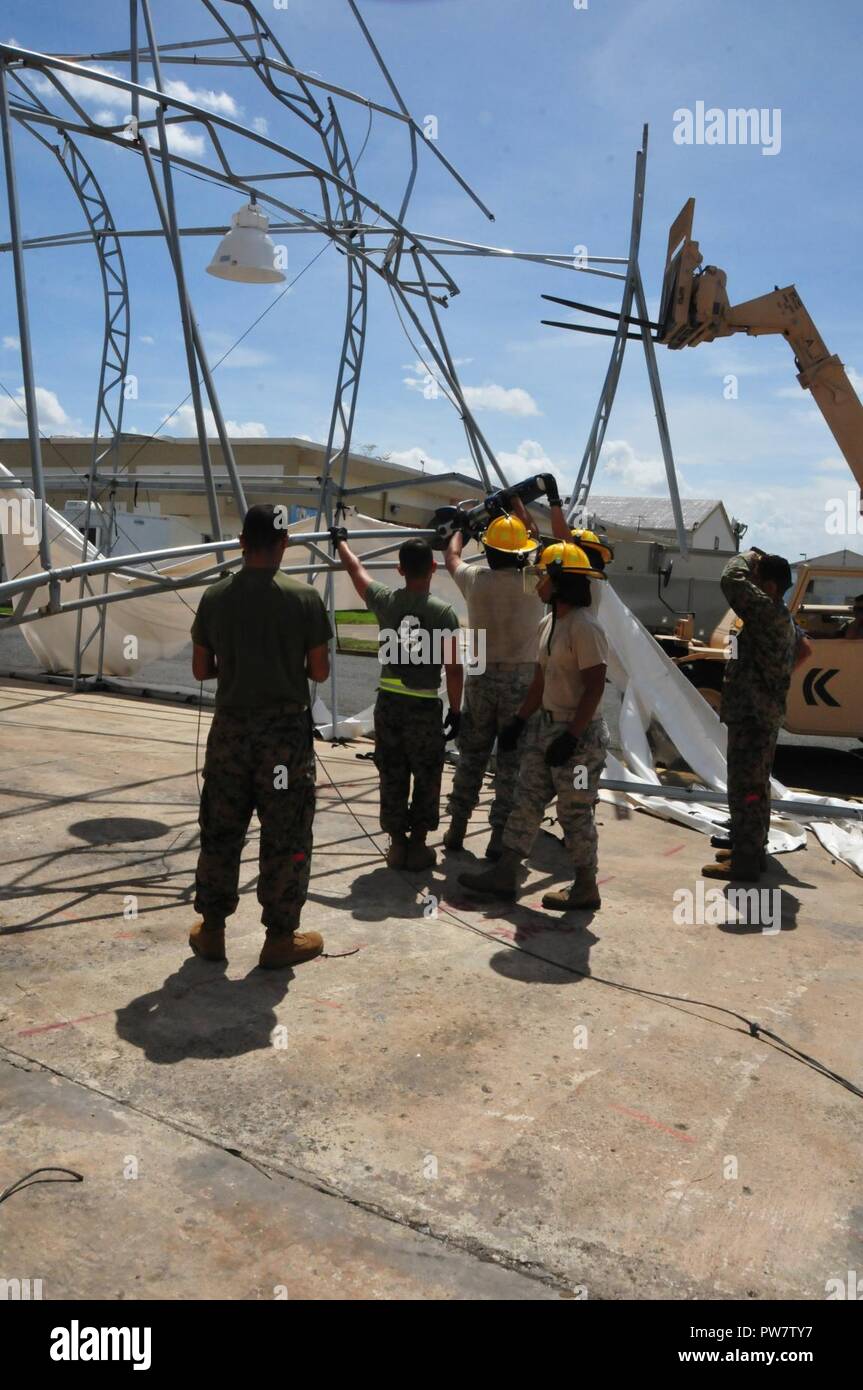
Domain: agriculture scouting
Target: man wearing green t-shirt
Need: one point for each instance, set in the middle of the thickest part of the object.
(418, 636)
(263, 636)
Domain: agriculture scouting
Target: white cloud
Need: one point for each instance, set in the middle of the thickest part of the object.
(631, 475)
(259, 125)
(11, 343)
(508, 400)
(52, 416)
(419, 458)
(182, 422)
(529, 459)
(182, 141)
(220, 102)
(145, 338)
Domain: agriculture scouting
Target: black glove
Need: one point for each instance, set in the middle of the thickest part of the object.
(337, 534)
(550, 487)
(452, 724)
(560, 749)
(510, 734)
(463, 524)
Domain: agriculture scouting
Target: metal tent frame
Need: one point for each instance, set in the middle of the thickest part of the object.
(40, 93)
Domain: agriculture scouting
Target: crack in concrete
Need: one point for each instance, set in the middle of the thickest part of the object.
(466, 1245)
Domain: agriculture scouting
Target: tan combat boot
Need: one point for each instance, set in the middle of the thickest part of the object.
(454, 837)
(494, 848)
(282, 949)
(419, 855)
(724, 855)
(397, 852)
(583, 895)
(208, 942)
(736, 869)
(499, 881)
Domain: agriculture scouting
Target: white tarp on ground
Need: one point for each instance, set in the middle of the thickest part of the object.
(651, 685)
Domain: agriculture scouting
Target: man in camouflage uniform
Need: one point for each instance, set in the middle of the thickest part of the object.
(754, 693)
(503, 616)
(565, 748)
(262, 635)
(418, 635)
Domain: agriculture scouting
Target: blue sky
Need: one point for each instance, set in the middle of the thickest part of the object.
(540, 106)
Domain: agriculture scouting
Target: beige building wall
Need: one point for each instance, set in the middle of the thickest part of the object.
(263, 464)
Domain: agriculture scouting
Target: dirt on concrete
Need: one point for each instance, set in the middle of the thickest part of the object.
(479, 1101)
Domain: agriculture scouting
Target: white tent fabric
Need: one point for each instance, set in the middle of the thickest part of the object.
(158, 623)
(651, 685)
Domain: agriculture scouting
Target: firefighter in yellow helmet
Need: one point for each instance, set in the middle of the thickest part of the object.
(503, 618)
(565, 746)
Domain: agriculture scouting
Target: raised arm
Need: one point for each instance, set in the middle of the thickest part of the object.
(358, 574)
(452, 554)
(739, 587)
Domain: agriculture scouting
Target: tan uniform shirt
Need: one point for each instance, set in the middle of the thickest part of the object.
(498, 605)
(577, 644)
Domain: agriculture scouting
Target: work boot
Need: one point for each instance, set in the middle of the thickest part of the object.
(724, 855)
(494, 848)
(583, 895)
(397, 852)
(499, 881)
(285, 948)
(738, 870)
(208, 942)
(454, 837)
(419, 855)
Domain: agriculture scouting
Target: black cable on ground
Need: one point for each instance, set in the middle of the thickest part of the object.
(754, 1029)
(23, 1182)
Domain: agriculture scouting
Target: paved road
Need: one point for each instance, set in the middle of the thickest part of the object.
(826, 766)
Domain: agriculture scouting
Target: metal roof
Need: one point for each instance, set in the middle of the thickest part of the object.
(650, 513)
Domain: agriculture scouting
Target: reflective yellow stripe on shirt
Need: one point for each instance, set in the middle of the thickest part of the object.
(394, 686)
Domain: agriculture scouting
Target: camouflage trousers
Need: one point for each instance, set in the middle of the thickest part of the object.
(490, 701)
(575, 784)
(751, 746)
(257, 760)
(409, 742)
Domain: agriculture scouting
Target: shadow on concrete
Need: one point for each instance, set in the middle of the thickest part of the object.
(551, 959)
(769, 922)
(199, 1012)
(113, 830)
(384, 893)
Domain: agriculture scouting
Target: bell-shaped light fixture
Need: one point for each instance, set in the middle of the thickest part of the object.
(246, 253)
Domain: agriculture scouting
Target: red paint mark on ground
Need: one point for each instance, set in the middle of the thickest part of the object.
(648, 1120)
(65, 1023)
(328, 1003)
(125, 935)
(675, 849)
(605, 880)
(502, 931)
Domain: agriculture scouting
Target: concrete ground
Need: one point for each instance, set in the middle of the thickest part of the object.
(481, 1102)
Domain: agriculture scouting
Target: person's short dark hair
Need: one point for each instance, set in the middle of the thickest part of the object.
(261, 527)
(503, 559)
(573, 589)
(416, 558)
(857, 601)
(775, 568)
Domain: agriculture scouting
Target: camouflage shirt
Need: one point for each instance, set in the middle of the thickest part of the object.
(758, 672)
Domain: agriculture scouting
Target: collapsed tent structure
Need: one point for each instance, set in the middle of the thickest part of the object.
(92, 614)
(141, 628)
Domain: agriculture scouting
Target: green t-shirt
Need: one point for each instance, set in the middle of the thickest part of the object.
(413, 638)
(260, 624)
